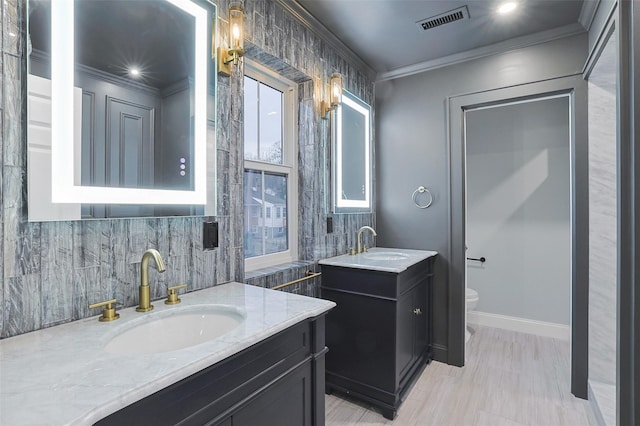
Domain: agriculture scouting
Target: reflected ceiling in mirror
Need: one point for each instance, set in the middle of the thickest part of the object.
(127, 90)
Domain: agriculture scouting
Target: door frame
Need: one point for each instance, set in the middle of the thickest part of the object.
(628, 369)
(576, 87)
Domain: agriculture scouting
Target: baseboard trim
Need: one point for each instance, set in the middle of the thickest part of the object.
(522, 325)
(440, 353)
(602, 403)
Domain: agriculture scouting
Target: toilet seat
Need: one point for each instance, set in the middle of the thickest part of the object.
(471, 295)
(472, 300)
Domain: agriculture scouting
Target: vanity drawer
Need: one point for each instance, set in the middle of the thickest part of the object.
(360, 281)
(375, 283)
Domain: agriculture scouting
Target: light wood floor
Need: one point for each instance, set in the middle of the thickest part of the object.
(509, 379)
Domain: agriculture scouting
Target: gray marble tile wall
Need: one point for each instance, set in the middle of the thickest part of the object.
(280, 42)
(602, 217)
(3, 11)
(602, 234)
(52, 271)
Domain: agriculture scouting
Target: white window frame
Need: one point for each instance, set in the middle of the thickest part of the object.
(289, 164)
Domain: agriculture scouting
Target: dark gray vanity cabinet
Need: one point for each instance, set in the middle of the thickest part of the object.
(380, 332)
(278, 381)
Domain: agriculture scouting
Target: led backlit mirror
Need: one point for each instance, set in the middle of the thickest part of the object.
(121, 110)
(352, 156)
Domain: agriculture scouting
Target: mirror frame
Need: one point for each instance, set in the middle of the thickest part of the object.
(64, 188)
(350, 206)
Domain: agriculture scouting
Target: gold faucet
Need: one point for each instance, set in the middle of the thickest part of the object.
(145, 298)
(360, 249)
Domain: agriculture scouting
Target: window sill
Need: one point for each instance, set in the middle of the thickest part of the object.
(276, 269)
(273, 276)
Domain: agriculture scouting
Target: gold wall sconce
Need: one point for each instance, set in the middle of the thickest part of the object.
(236, 41)
(335, 96)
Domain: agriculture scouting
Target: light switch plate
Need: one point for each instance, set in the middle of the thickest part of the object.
(209, 235)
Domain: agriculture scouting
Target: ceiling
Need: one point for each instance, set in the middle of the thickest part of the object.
(384, 34)
(114, 36)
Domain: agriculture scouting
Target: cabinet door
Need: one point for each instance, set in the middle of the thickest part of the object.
(412, 328)
(286, 402)
(405, 332)
(360, 338)
(421, 318)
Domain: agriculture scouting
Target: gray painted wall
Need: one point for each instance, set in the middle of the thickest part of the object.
(52, 271)
(518, 209)
(412, 149)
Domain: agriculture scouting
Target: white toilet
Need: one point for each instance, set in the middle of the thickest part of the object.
(472, 301)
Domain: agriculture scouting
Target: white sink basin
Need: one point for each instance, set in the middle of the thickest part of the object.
(385, 255)
(174, 329)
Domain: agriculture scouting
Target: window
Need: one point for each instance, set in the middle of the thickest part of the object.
(270, 165)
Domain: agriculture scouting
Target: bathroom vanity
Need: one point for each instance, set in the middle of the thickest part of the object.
(380, 332)
(267, 368)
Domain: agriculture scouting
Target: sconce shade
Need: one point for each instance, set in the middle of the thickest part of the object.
(336, 89)
(236, 29)
(236, 41)
(335, 96)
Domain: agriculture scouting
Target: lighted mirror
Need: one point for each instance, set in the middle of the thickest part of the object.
(121, 108)
(352, 156)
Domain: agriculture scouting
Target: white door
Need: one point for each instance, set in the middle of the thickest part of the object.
(40, 207)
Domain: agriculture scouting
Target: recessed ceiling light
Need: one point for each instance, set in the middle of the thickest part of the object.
(507, 7)
(134, 72)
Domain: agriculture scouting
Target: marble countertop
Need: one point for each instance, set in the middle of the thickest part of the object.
(61, 375)
(378, 262)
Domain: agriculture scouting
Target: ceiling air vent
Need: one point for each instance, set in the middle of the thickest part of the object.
(443, 18)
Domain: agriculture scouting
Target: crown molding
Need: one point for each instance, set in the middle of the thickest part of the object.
(309, 21)
(481, 52)
(601, 41)
(588, 13)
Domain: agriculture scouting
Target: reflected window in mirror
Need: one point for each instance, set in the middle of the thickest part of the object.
(270, 168)
(121, 108)
(351, 159)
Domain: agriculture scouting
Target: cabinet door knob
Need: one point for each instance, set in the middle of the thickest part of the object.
(417, 311)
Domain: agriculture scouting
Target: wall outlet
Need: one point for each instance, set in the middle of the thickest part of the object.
(209, 235)
(329, 225)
